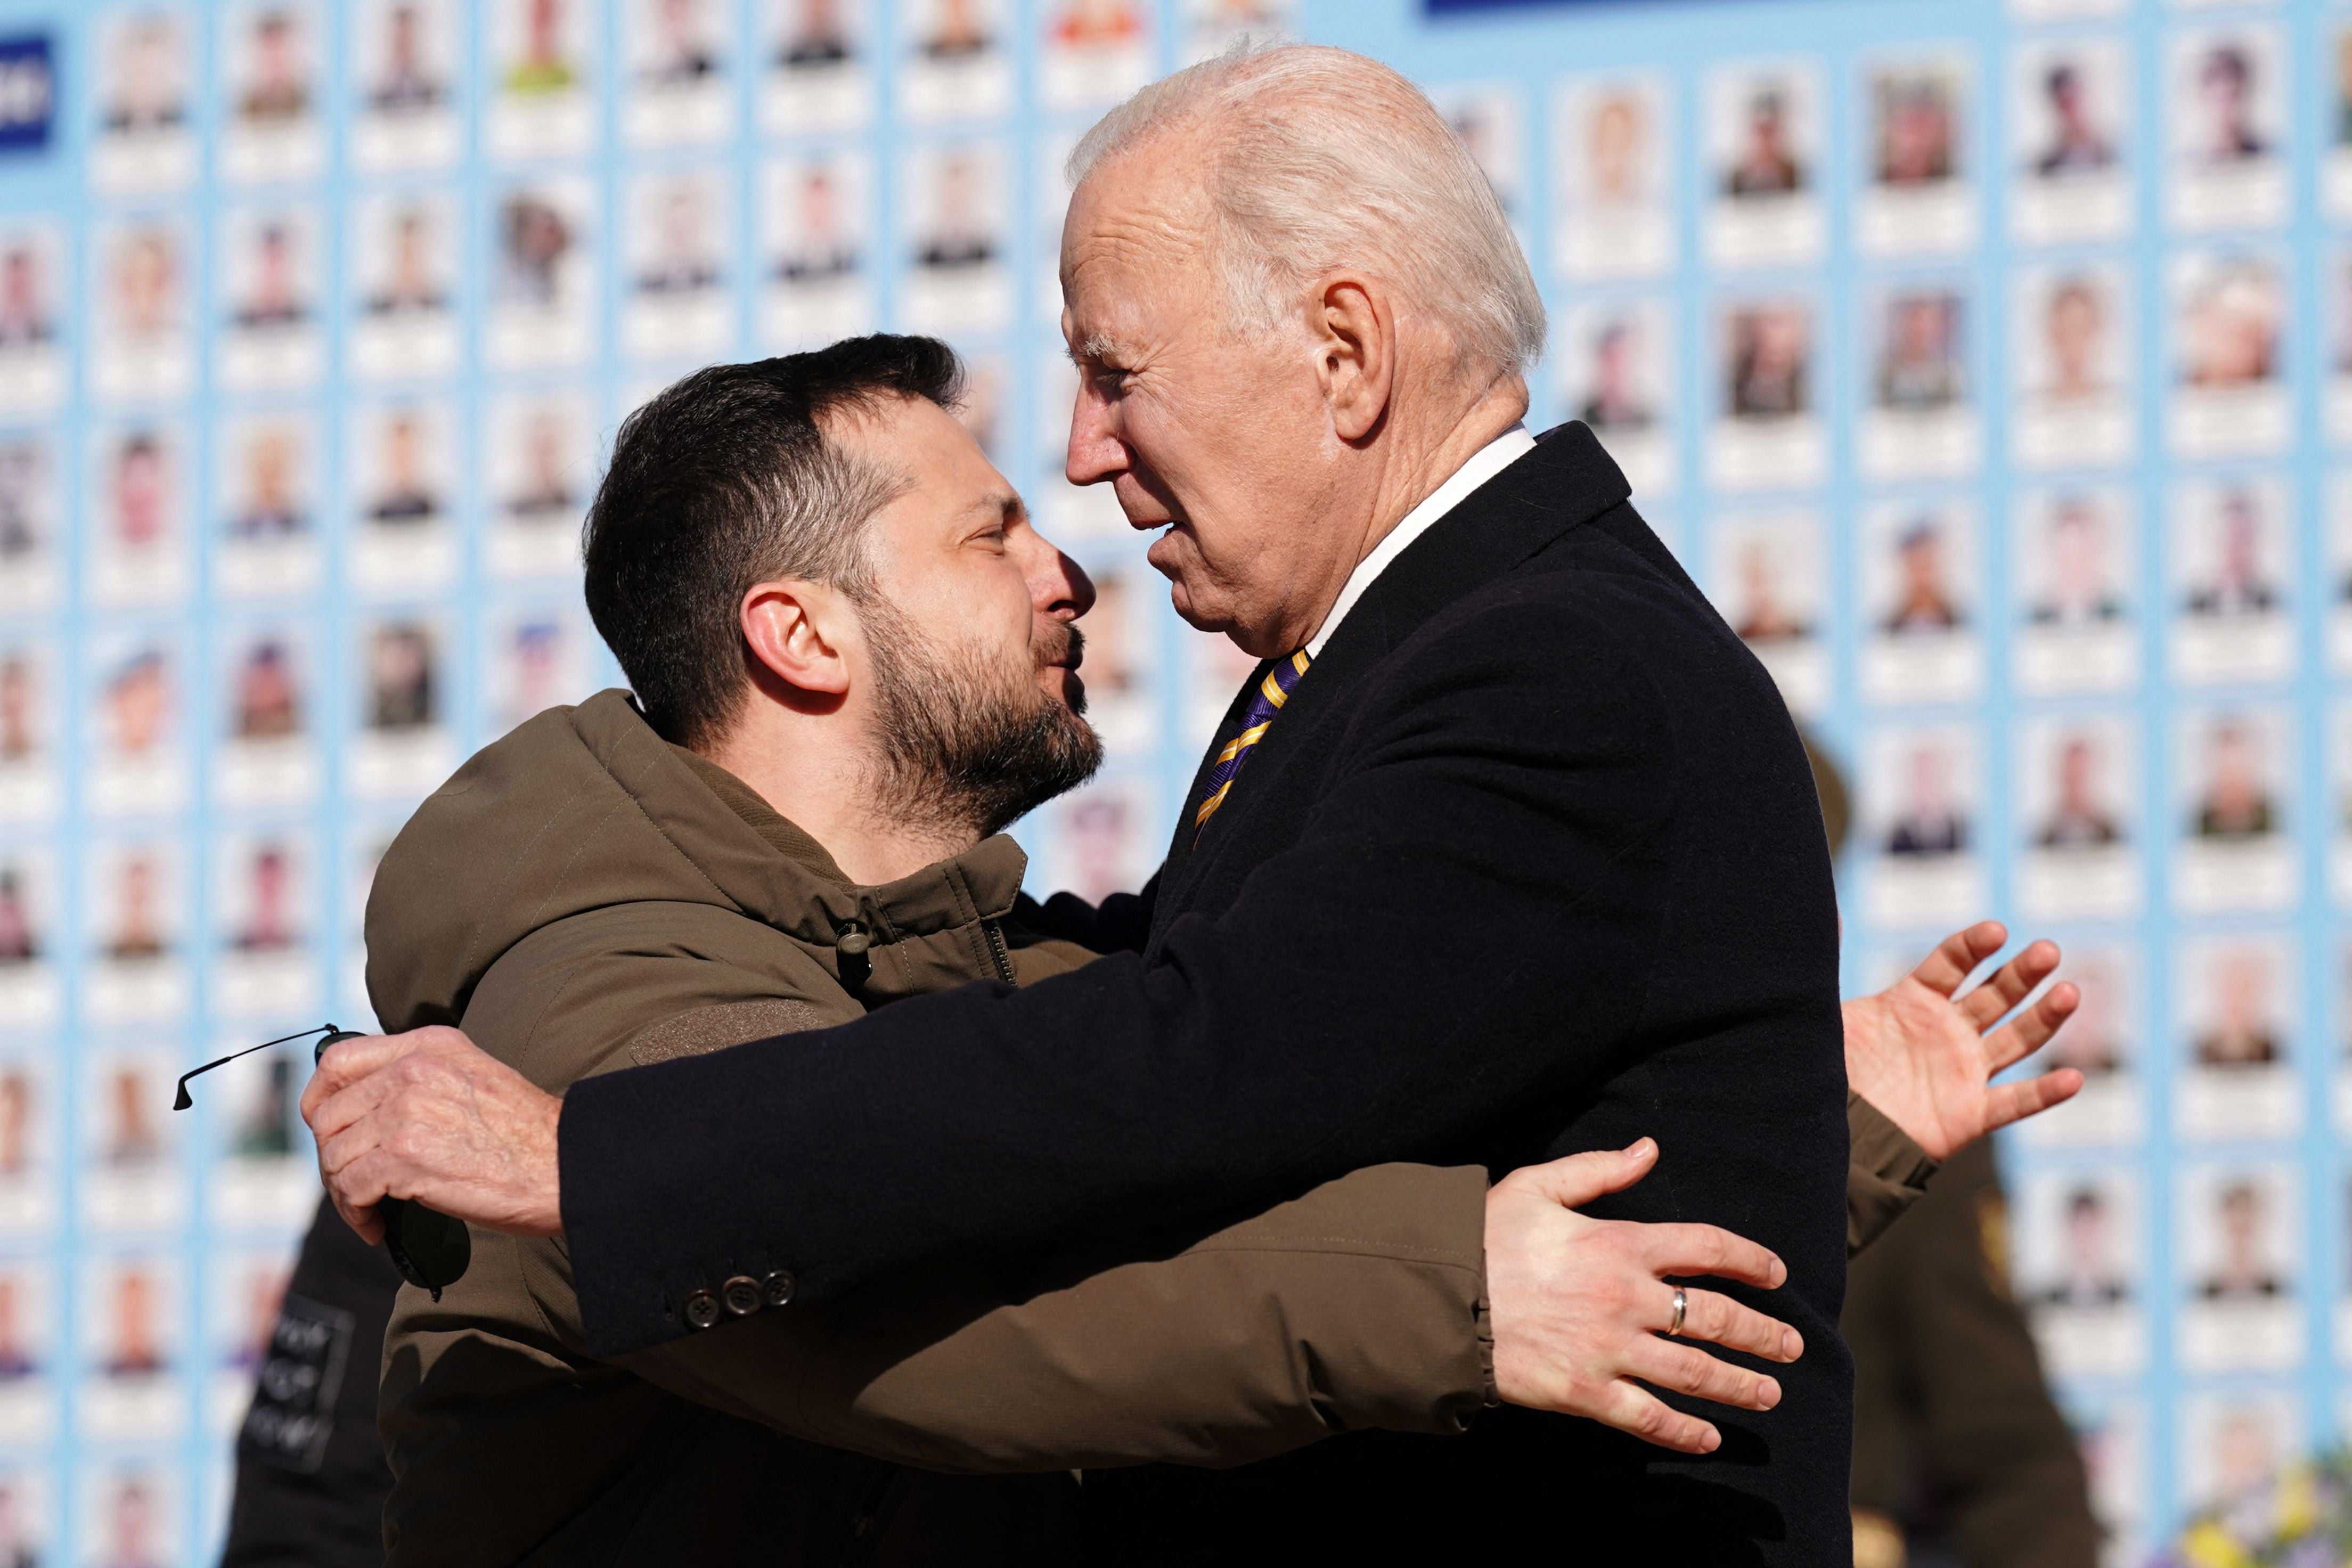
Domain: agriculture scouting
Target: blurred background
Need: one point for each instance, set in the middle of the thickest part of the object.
(1989, 365)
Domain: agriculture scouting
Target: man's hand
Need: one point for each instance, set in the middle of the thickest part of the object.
(1579, 1305)
(429, 1115)
(1925, 1056)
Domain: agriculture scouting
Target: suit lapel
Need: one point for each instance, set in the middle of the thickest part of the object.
(1564, 482)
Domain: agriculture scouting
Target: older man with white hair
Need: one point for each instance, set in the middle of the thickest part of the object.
(1509, 851)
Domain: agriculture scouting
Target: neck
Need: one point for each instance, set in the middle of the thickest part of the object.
(1408, 464)
(797, 762)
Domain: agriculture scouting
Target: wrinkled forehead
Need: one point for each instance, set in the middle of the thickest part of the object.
(1136, 240)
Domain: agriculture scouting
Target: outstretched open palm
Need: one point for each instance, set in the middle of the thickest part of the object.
(1926, 1054)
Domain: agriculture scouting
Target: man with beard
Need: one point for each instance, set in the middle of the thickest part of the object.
(631, 893)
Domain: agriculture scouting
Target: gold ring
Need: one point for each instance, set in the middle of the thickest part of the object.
(1682, 1303)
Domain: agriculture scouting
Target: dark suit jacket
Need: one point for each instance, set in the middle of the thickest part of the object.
(1530, 863)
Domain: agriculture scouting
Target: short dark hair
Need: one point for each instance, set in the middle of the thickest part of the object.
(724, 480)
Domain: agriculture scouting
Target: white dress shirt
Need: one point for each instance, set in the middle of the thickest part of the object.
(1485, 463)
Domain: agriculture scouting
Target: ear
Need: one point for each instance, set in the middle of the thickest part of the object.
(1356, 354)
(795, 632)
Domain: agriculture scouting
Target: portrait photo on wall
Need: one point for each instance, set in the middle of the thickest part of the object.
(29, 567)
(1490, 119)
(958, 233)
(1615, 364)
(1613, 200)
(2335, 315)
(2233, 768)
(955, 62)
(28, 1361)
(816, 69)
(142, 766)
(2081, 1262)
(403, 469)
(679, 243)
(2077, 787)
(134, 904)
(1921, 422)
(142, 340)
(1921, 587)
(2229, 310)
(2070, 113)
(1767, 431)
(270, 263)
(2228, 125)
(268, 752)
(538, 658)
(2231, 563)
(541, 57)
(1922, 791)
(265, 474)
(32, 294)
(28, 751)
(1093, 54)
(274, 129)
(680, 56)
(1213, 26)
(2100, 1041)
(1768, 573)
(2235, 1236)
(1763, 165)
(543, 307)
(2237, 1001)
(543, 471)
(27, 1145)
(246, 1288)
(405, 249)
(29, 979)
(404, 62)
(129, 1507)
(1917, 196)
(139, 547)
(131, 1334)
(2074, 553)
(2339, 821)
(144, 141)
(2233, 1442)
(130, 1176)
(1101, 839)
(814, 241)
(2071, 333)
(405, 742)
(264, 910)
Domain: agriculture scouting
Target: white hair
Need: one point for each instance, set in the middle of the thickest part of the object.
(1321, 159)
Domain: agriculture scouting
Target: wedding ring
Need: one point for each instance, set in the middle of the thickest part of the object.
(1682, 1304)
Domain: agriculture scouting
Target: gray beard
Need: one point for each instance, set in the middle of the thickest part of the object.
(966, 751)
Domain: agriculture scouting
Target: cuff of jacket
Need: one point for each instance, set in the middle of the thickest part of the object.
(1886, 1173)
(1487, 1344)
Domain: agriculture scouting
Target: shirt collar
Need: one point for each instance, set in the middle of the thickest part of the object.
(1484, 464)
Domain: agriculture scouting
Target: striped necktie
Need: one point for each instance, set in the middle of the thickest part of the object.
(1265, 703)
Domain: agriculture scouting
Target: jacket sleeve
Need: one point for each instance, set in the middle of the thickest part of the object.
(1886, 1173)
(1485, 860)
(1359, 1305)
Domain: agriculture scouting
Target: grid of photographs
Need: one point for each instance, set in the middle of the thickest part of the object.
(1989, 365)
(315, 321)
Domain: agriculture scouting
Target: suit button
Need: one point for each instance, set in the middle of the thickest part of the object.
(778, 1287)
(740, 1296)
(702, 1309)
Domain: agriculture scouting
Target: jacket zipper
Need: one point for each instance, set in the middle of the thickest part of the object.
(998, 951)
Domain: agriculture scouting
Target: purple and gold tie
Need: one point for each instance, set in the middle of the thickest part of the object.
(1265, 703)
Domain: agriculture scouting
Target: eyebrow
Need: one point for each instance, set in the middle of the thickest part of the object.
(1094, 345)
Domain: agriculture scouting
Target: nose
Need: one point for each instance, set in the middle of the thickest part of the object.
(1059, 586)
(1096, 452)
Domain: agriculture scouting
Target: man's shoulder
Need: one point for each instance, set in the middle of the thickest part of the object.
(634, 984)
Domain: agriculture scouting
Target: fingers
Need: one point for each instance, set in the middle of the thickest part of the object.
(1957, 956)
(346, 1062)
(1682, 1369)
(2031, 1029)
(1646, 1416)
(1578, 1179)
(2009, 1102)
(1718, 1320)
(1687, 1249)
(2009, 985)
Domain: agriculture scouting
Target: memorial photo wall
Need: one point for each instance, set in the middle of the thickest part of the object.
(1988, 364)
